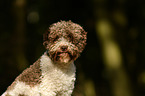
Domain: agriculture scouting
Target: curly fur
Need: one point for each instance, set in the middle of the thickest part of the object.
(53, 74)
(72, 32)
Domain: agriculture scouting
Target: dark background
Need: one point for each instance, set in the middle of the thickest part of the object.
(113, 62)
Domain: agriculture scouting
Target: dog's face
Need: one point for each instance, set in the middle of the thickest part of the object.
(65, 41)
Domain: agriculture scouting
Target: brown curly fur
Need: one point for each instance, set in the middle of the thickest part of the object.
(72, 32)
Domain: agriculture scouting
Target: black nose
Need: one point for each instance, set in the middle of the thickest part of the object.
(64, 48)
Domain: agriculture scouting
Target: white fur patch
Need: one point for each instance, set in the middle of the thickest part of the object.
(23, 89)
(56, 80)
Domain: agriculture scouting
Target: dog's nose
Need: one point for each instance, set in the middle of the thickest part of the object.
(64, 48)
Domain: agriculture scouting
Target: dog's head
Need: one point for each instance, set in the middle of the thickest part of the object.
(65, 41)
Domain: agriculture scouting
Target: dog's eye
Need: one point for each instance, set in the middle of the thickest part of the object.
(55, 39)
(70, 37)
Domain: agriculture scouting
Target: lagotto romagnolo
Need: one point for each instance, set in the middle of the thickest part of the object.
(53, 74)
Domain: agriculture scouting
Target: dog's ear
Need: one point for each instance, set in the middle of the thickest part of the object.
(84, 34)
(83, 40)
(45, 38)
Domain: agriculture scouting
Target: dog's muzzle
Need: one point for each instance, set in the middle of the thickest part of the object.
(63, 55)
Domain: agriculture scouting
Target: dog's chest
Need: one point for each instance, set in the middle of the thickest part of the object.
(56, 79)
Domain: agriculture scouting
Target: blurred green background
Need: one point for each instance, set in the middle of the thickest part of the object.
(113, 62)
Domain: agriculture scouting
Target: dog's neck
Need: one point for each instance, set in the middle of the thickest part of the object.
(47, 65)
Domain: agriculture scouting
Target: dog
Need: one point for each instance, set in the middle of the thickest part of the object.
(53, 74)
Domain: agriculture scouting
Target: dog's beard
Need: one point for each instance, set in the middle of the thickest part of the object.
(60, 57)
(63, 57)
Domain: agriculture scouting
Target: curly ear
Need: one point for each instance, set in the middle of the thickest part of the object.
(45, 38)
(84, 34)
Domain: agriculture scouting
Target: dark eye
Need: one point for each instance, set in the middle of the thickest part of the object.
(70, 37)
(55, 39)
